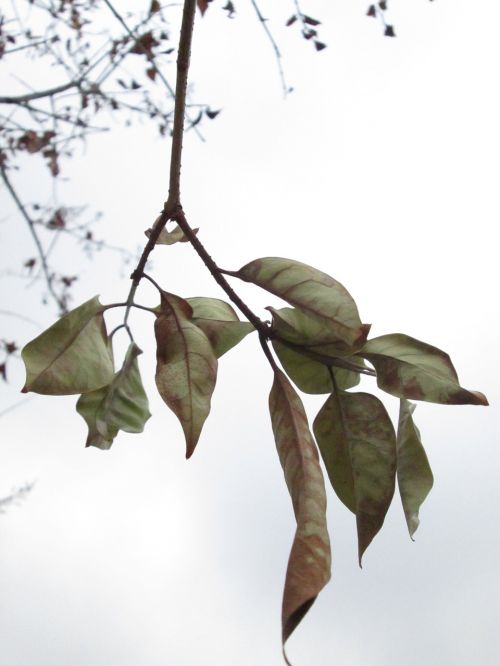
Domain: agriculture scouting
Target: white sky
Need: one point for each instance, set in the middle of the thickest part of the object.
(381, 169)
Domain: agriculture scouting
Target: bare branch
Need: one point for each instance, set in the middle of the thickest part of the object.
(38, 244)
(277, 53)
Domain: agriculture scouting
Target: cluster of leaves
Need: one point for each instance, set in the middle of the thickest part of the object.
(378, 11)
(323, 348)
(308, 30)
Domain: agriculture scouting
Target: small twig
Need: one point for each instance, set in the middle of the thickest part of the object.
(153, 282)
(29, 97)
(277, 53)
(41, 253)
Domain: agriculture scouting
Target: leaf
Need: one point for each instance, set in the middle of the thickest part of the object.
(203, 5)
(315, 293)
(123, 405)
(389, 31)
(408, 368)
(295, 326)
(358, 446)
(171, 237)
(220, 323)
(310, 21)
(414, 472)
(72, 356)
(309, 562)
(310, 375)
(186, 368)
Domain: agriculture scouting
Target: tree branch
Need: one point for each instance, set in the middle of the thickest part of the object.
(50, 92)
(173, 202)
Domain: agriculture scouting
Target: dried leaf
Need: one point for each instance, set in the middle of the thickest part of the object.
(358, 446)
(186, 368)
(72, 356)
(203, 5)
(314, 292)
(291, 20)
(310, 21)
(309, 563)
(220, 323)
(408, 368)
(389, 31)
(171, 237)
(123, 405)
(414, 472)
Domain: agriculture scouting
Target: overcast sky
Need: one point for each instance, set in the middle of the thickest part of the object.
(381, 169)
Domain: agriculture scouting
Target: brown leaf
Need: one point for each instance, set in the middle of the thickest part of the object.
(309, 563)
(186, 368)
(151, 73)
(203, 5)
(144, 44)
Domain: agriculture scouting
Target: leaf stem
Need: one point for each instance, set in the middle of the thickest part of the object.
(216, 272)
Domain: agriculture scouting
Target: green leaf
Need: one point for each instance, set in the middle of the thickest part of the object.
(309, 562)
(358, 446)
(408, 368)
(310, 375)
(186, 368)
(123, 405)
(72, 356)
(315, 293)
(171, 237)
(295, 326)
(414, 472)
(220, 323)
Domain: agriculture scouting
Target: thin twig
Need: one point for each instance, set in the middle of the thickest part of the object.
(41, 252)
(263, 22)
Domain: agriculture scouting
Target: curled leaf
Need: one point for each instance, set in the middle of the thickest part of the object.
(358, 446)
(72, 356)
(186, 368)
(414, 472)
(309, 563)
(408, 368)
(123, 405)
(312, 291)
(220, 323)
(171, 237)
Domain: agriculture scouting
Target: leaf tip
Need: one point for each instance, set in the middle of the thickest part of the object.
(481, 398)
